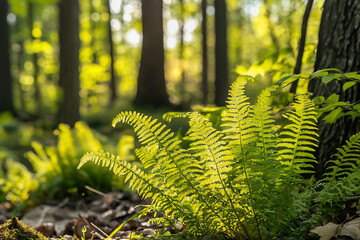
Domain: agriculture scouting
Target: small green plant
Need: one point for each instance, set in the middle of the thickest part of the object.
(55, 166)
(243, 179)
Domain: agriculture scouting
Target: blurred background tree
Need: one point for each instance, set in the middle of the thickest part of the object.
(151, 89)
(205, 44)
(6, 101)
(69, 62)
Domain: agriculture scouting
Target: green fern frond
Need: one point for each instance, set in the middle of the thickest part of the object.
(169, 116)
(86, 138)
(44, 162)
(207, 143)
(179, 168)
(263, 124)
(66, 147)
(236, 120)
(299, 139)
(347, 160)
(216, 159)
(147, 156)
(175, 167)
(138, 180)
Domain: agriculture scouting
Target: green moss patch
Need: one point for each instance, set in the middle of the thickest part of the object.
(15, 229)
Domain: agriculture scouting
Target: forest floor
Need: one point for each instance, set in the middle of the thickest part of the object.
(100, 214)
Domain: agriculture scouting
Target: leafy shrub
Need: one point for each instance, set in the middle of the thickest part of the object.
(241, 180)
(55, 166)
(18, 182)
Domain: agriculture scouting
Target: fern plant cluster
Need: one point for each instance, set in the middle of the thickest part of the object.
(242, 179)
(54, 166)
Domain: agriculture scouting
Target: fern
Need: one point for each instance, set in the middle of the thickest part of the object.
(238, 179)
(299, 139)
(346, 160)
(236, 120)
(342, 176)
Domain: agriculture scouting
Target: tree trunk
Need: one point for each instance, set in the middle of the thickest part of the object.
(113, 83)
(221, 55)
(151, 89)
(20, 65)
(69, 61)
(302, 41)
(37, 94)
(339, 47)
(6, 94)
(204, 83)
(181, 53)
(271, 27)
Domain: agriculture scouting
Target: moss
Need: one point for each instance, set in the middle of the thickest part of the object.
(15, 229)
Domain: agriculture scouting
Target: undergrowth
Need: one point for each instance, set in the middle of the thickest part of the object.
(54, 167)
(241, 179)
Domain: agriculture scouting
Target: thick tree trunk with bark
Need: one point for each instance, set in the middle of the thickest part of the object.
(151, 89)
(204, 82)
(69, 61)
(221, 55)
(6, 94)
(339, 47)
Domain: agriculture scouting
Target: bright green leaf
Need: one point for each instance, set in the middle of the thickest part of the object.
(318, 100)
(333, 116)
(348, 85)
(334, 98)
(328, 78)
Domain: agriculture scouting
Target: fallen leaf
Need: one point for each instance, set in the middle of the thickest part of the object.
(350, 229)
(326, 232)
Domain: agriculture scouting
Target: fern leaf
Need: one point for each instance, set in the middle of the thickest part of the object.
(299, 139)
(178, 165)
(347, 160)
(236, 121)
(213, 152)
(263, 124)
(215, 156)
(141, 182)
(169, 116)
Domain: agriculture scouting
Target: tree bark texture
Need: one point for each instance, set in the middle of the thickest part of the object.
(6, 94)
(204, 82)
(151, 89)
(339, 47)
(69, 61)
(302, 41)
(221, 55)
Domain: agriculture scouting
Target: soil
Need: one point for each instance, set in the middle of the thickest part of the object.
(100, 214)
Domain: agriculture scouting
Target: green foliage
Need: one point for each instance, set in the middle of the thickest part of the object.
(342, 178)
(244, 180)
(18, 183)
(330, 109)
(55, 166)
